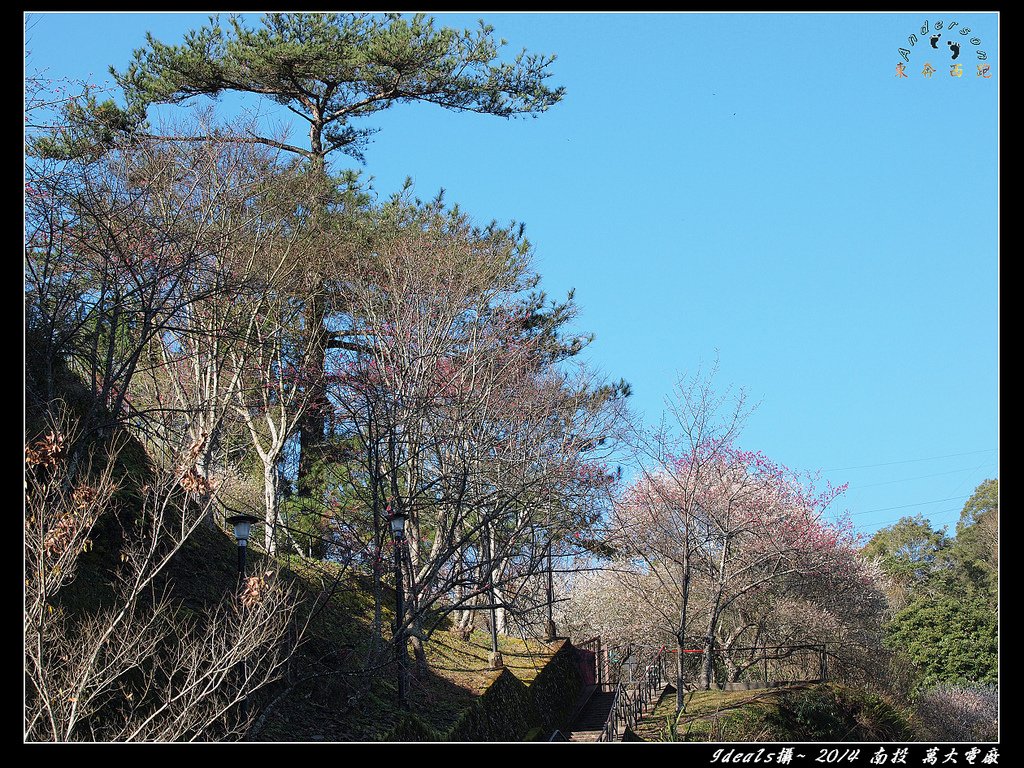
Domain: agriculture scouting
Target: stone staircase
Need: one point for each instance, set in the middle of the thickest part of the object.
(633, 689)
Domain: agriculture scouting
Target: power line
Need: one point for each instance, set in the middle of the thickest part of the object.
(904, 506)
(961, 483)
(908, 461)
(932, 519)
(919, 477)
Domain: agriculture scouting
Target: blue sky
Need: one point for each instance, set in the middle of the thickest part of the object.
(758, 186)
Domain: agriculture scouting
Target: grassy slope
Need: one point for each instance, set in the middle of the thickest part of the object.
(334, 698)
(813, 712)
(359, 707)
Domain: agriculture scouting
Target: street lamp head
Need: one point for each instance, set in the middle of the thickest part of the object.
(397, 519)
(242, 525)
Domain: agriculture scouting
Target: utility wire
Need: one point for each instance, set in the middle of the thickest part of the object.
(919, 477)
(909, 461)
(932, 518)
(904, 506)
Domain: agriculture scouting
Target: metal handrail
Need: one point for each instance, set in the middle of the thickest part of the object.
(631, 698)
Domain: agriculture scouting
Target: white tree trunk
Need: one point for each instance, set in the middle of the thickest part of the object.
(270, 499)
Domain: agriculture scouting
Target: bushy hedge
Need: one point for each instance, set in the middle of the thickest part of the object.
(831, 712)
(950, 639)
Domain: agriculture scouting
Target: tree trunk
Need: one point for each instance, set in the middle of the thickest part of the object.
(500, 617)
(731, 670)
(311, 427)
(716, 607)
(378, 528)
(421, 668)
(706, 658)
(271, 505)
(681, 636)
(203, 470)
(464, 616)
(680, 674)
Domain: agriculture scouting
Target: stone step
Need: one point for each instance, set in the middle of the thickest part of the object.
(590, 721)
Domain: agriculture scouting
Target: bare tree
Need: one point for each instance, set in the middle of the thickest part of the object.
(451, 393)
(135, 270)
(134, 667)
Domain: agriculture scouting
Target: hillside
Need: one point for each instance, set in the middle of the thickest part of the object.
(341, 682)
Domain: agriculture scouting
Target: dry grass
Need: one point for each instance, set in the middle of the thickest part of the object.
(465, 662)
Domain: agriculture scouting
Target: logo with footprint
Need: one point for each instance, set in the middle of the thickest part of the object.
(954, 47)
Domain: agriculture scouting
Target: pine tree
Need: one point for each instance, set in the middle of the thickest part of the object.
(330, 70)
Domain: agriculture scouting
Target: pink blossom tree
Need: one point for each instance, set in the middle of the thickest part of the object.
(728, 548)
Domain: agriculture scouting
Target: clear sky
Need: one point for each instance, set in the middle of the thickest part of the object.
(761, 185)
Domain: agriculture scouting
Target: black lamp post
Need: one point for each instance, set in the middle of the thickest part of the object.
(549, 628)
(243, 526)
(397, 520)
(550, 632)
